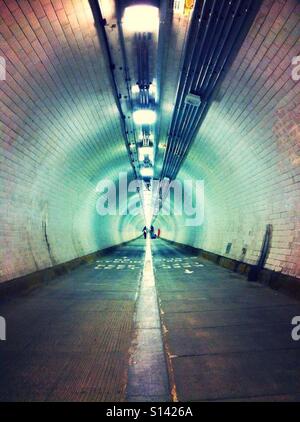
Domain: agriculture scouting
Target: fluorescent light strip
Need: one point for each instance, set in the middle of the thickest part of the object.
(144, 117)
(141, 18)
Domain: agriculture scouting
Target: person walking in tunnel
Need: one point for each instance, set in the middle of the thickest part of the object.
(152, 234)
(158, 232)
(145, 232)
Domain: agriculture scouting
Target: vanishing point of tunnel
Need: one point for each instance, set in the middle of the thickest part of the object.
(149, 200)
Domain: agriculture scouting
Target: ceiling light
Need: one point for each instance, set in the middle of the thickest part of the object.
(135, 89)
(146, 171)
(144, 117)
(141, 18)
(143, 151)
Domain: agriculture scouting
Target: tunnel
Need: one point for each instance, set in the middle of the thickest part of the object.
(150, 201)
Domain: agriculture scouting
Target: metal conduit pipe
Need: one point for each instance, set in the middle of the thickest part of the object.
(193, 129)
(126, 74)
(189, 54)
(189, 118)
(234, 36)
(200, 88)
(191, 112)
(165, 26)
(146, 62)
(100, 28)
(124, 55)
(217, 40)
(139, 61)
(202, 62)
(209, 50)
(230, 44)
(252, 7)
(187, 144)
(202, 29)
(191, 68)
(178, 158)
(193, 122)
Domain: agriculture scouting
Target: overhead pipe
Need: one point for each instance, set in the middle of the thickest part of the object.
(221, 34)
(228, 60)
(165, 26)
(100, 28)
(197, 112)
(185, 113)
(193, 88)
(177, 158)
(127, 77)
(186, 77)
(234, 35)
(188, 71)
(189, 53)
(204, 94)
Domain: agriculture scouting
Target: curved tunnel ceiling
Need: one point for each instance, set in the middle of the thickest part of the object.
(62, 132)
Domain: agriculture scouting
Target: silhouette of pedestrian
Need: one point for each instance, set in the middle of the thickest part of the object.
(144, 232)
(152, 234)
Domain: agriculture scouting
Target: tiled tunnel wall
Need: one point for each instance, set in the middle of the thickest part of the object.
(60, 134)
(247, 150)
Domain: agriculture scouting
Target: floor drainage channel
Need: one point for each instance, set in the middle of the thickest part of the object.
(148, 374)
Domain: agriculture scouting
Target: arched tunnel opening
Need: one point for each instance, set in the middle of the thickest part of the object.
(150, 200)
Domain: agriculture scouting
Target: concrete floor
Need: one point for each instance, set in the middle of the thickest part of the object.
(76, 338)
(69, 340)
(227, 339)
